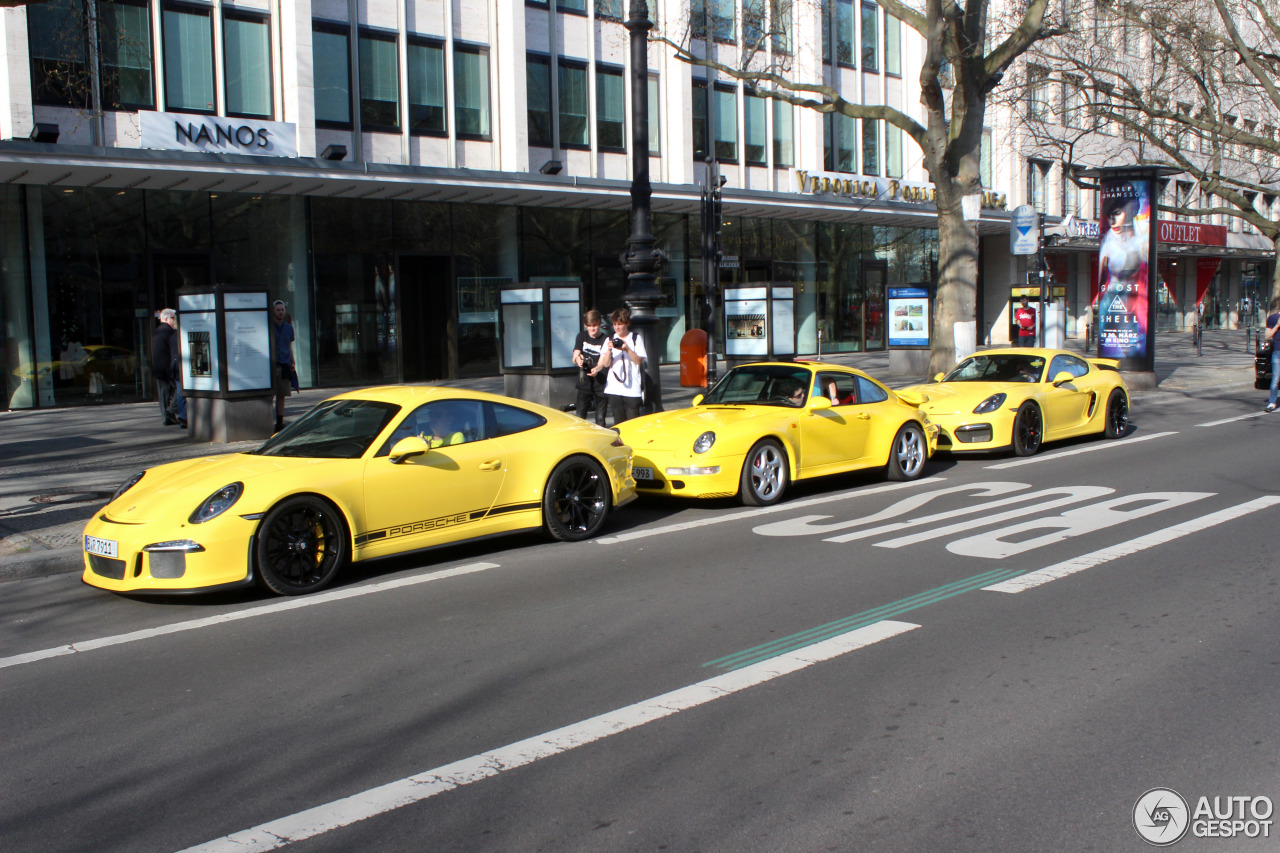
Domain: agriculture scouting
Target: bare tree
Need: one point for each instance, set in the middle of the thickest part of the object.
(966, 53)
(1195, 86)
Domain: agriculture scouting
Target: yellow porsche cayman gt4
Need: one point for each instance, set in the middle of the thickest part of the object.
(366, 474)
(765, 425)
(1022, 397)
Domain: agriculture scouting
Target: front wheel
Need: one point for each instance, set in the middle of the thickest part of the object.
(909, 453)
(764, 474)
(575, 502)
(301, 546)
(1028, 430)
(1117, 413)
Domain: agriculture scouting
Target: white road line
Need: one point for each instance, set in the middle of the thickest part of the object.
(1104, 445)
(421, 786)
(1237, 418)
(275, 607)
(1124, 549)
(752, 513)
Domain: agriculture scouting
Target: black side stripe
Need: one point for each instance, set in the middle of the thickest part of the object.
(453, 520)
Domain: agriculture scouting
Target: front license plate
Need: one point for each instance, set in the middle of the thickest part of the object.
(643, 473)
(101, 547)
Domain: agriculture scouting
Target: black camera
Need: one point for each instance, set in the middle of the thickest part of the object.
(617, 342)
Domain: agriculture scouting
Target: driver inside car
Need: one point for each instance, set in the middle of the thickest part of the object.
(446, 427)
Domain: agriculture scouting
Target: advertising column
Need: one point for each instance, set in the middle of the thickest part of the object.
(1126, 329)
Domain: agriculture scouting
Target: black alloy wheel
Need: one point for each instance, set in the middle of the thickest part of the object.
(301, 546)
(575, 502)
(1117, 413)
(1028, 429)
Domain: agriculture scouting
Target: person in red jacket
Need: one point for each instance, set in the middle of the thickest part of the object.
(1025, 317)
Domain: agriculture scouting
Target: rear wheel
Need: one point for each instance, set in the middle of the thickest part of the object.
(575, 502)
(909, 453)
(301, 546)
(1117, 413)
(1028, 430)
(764, 474)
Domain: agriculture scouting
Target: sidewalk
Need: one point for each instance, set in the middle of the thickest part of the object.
(61, 465)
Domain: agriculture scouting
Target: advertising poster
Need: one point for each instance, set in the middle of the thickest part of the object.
(908, 317)
(248, 350)
(1124, 286)
(199, 348)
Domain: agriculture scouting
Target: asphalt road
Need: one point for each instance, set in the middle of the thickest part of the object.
(1003, 656)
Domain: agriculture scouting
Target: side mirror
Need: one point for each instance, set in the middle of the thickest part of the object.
(1062, 378)
(819, 402)
(408, 447)
(938, 378)
(697, 400)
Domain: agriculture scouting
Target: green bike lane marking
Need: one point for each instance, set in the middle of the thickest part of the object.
(785, 645)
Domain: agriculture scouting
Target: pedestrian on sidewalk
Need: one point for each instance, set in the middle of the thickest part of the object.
(282, 351)
(1026, 319)
(1273, 323)
(587, 348)
(623, 356)
(164, 359)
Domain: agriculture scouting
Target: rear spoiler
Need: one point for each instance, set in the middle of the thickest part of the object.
(912, 398)
(1105, 363)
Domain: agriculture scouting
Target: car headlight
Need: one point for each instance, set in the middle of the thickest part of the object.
(704, 442)
(990, 404)
(217, 503)
(127, 485)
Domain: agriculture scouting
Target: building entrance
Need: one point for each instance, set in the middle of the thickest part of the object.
(426, 324)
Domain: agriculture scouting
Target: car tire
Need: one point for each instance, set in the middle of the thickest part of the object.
(1028, 430)
(764, 474)
(1117, 414)
(575, 502)
(908, 454)
(301, 546)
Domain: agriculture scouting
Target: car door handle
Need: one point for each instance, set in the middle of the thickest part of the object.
(491, 465)
(864, 416)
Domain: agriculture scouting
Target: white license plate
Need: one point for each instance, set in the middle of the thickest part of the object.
(643, 473)
(101, 547)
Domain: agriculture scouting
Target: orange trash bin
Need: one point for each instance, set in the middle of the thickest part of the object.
(693, 359)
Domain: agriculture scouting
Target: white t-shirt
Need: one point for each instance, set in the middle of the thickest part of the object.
(624, 374)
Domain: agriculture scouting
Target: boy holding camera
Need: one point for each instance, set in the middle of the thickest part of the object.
(623, 356)
(587, 348)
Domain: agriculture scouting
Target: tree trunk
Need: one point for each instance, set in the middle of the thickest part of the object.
(957, 276)
(1275, 271)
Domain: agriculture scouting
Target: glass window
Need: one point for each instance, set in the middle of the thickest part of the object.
(574, 105)
(722, 28)
(426, 87)
(892, 151)
(1035, 184)
(844, 32)
(611, 109)
(870, 146)
(655, 116)
(698, 19)
(579, 6)
(247, 57)
(471, 95)
(870, 38)
(783, 135)
(379, 82)
(188, 59)
(612, 9)
(1070, 195)
(508, 420)
(331, 63)
(538, 99)
(58, 69)
(892, 45)
(841, 135)
(700, 149)
(780, 26)
(870, 392)
(124, 45)
(757, 132)
(726, 101)
(753, 24)
(984, 160)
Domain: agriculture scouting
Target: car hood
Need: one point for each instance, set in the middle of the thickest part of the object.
(678, 428)
(949, 398)
(173, 491)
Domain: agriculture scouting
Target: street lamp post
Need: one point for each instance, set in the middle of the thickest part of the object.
(641, 261)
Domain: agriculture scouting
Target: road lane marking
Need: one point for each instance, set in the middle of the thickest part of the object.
(1236, 418)
(263, 610)
(1124, 549)
(1106, 445)
(753, 513)
(421, 786)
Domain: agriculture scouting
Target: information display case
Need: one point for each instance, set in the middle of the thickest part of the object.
(759, 322)
(538, 323)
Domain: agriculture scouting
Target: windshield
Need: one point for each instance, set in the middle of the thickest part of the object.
(761, 385)
(335, 429)
(1003, 367)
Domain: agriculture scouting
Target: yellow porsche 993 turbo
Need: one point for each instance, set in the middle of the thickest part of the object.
(765, 425)
(366, 474)
(1023, 397)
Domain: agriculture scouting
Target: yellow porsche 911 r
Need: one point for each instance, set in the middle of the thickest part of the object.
(764, 425)
(366, 474)
(1022, 397)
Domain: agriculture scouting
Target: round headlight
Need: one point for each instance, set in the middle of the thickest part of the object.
(217, 503)
(990, 404)
(704, 442)
(127, 485)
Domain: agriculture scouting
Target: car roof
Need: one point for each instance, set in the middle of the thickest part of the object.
(812, 364)
(404, 395)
